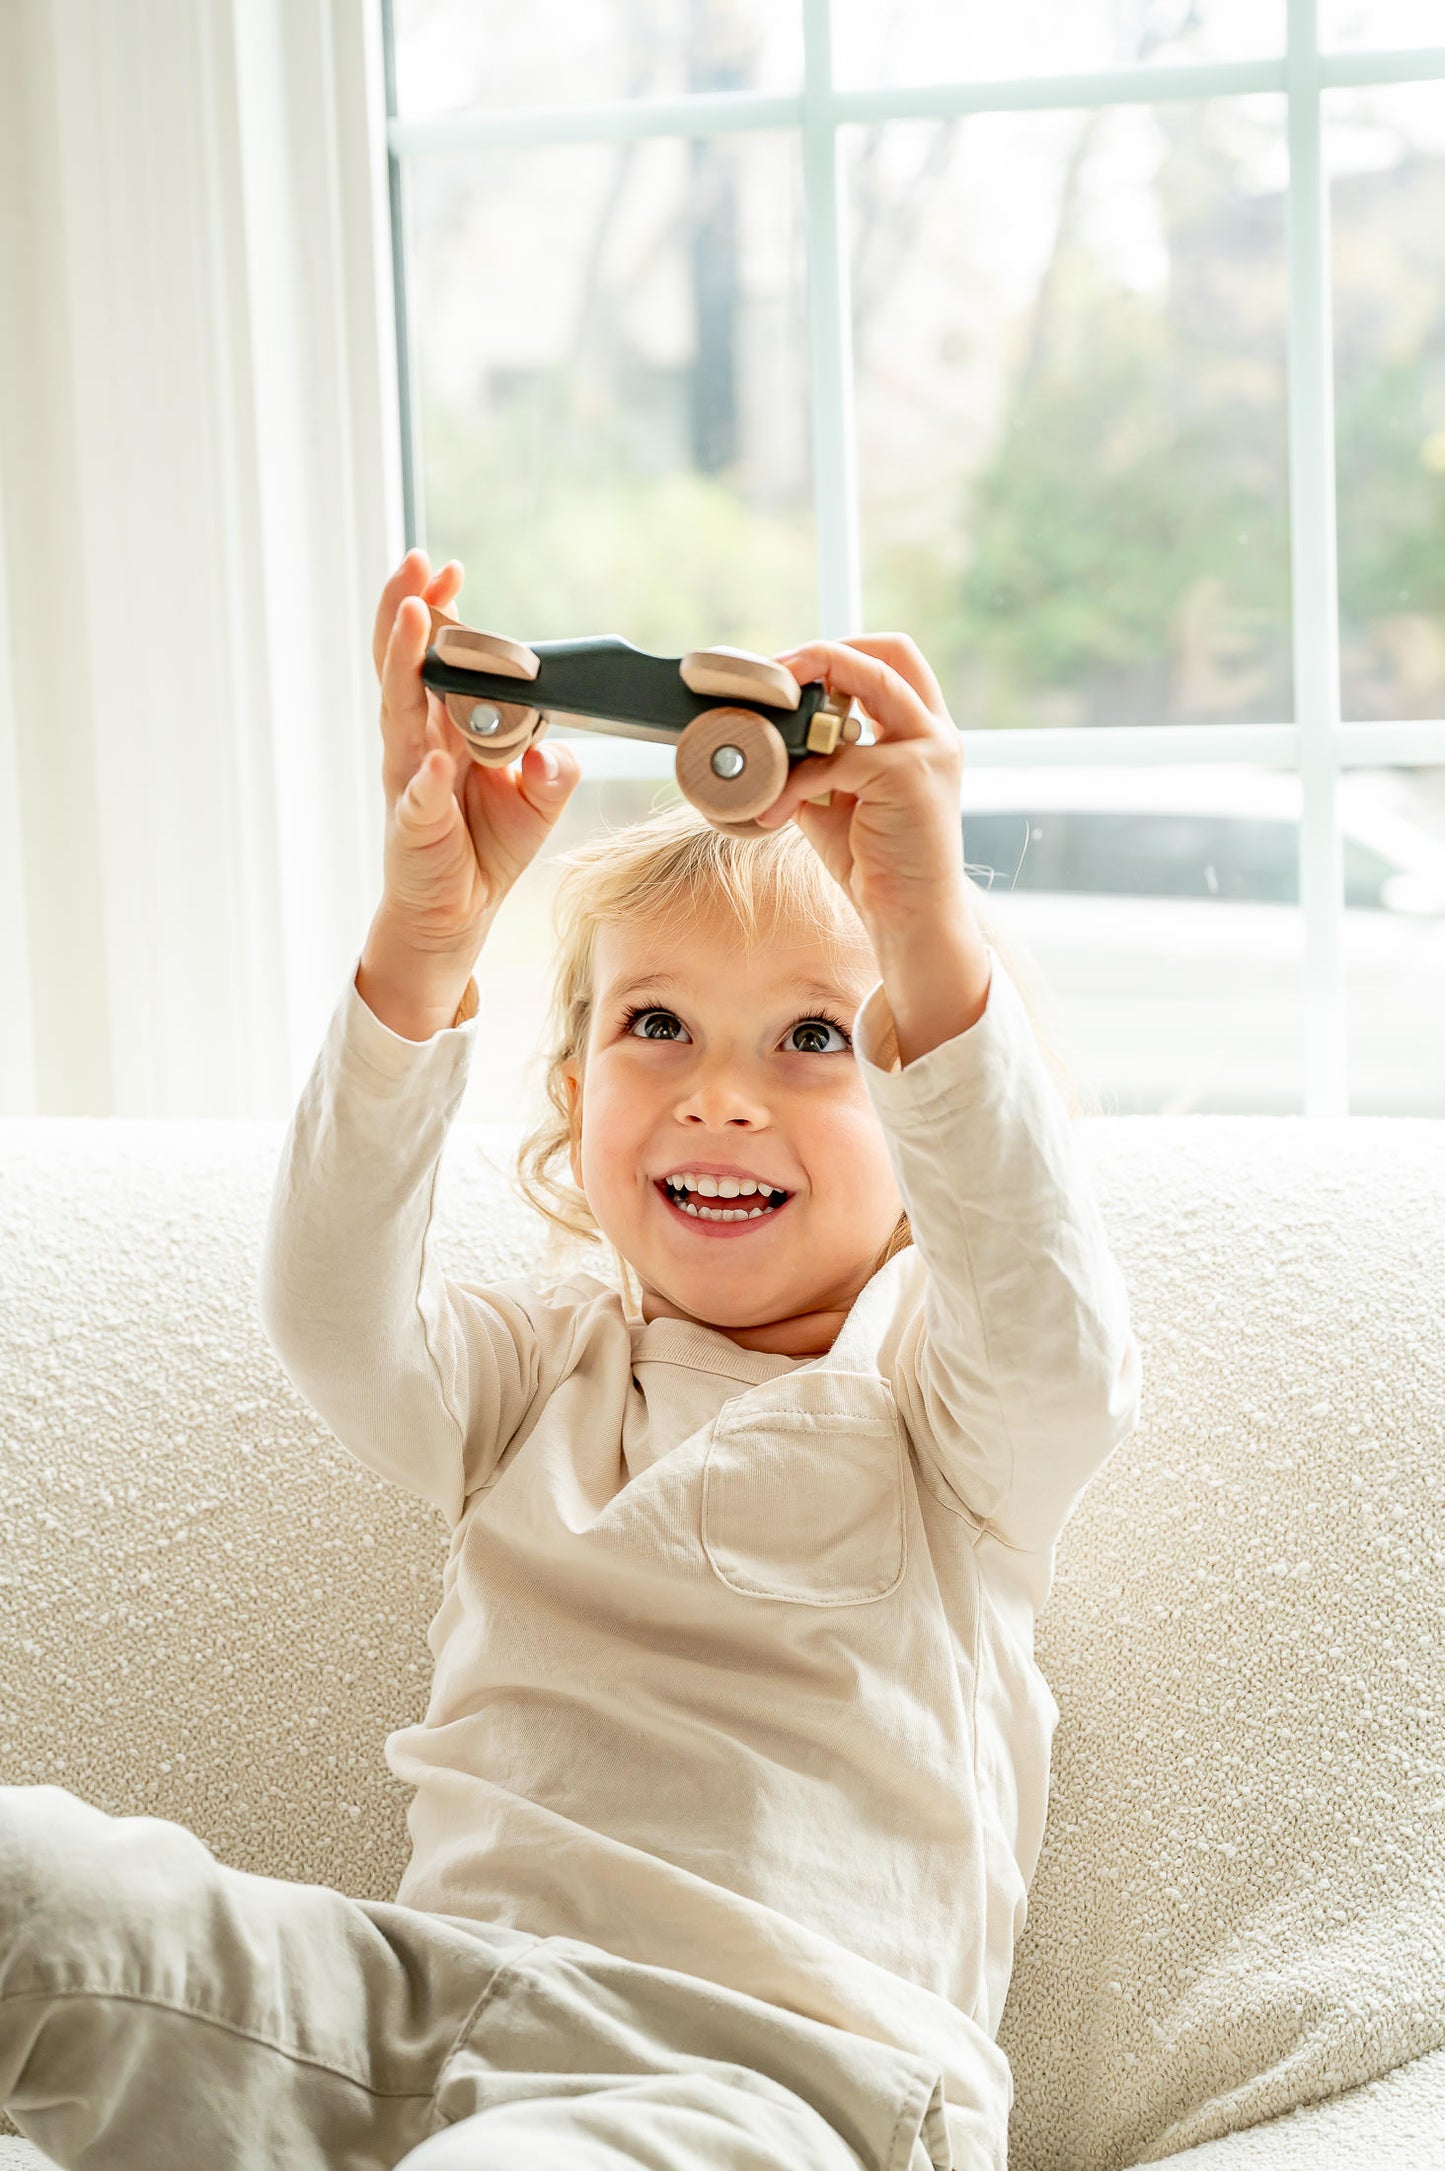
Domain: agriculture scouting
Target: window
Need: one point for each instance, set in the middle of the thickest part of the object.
(1096, 343)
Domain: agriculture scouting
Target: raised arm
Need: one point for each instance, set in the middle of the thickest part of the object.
(423, 1379)
(1015, 1367)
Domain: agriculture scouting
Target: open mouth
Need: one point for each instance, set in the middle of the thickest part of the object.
(722, 1217)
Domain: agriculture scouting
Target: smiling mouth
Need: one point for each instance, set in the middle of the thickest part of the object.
(717, 1215)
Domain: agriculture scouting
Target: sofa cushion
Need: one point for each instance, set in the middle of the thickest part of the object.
(1392, 2124)
(209, 1612)
(1240, 1902)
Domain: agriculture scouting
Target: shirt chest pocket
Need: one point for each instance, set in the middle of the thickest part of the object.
(807, 1503)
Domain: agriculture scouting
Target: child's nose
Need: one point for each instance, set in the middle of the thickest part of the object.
(725, 1095)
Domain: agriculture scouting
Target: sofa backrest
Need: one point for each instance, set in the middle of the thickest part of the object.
(210, 1612)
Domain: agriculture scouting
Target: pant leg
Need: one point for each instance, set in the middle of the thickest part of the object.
(576, 2057)
(159, 2008)
(668, 2122)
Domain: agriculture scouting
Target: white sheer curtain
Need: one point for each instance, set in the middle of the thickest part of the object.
(199, 498)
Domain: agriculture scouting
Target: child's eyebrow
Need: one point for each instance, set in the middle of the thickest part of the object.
(810, 990)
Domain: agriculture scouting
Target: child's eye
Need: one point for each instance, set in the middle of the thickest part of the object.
(802, 1025)
(633, 1015)
(829, 1025)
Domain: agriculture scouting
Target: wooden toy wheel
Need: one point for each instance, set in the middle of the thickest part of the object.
(512, 727)
(489, 755)
(731, 765)
(496, 732)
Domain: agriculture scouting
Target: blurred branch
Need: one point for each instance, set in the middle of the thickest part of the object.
(887, 232)
(1144, 26)
(590, 357)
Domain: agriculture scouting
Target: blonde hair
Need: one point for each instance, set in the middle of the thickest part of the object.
(675, 867)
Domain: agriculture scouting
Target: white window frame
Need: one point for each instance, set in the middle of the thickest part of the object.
(1317, 743)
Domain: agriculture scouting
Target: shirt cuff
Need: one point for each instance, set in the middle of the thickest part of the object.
(956, 1072)
(359, 1032)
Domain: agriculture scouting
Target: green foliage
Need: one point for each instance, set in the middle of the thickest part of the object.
(556, 546)
(1391, 492)
(1117, 489)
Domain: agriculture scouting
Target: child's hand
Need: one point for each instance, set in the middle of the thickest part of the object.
(457, 834)
(893, 836)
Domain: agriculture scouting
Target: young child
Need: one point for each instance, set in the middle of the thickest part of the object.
(734, 1770)
(734, 1663)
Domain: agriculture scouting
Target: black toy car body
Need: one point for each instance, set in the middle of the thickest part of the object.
(738, 720)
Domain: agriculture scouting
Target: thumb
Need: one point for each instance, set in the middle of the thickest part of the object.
(550, 771)
(430, 786)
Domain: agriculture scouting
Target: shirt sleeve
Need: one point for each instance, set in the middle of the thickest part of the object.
(1015, 1366)
(422, 1378)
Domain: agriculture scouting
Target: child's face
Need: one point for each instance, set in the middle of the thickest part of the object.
(724, 1067)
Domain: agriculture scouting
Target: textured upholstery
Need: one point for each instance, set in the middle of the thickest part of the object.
(209, 1612)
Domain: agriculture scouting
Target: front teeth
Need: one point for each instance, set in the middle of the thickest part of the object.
(720, 1187)
(727, 1187)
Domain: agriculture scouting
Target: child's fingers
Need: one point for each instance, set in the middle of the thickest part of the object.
(422, 806)
(902, 782)
(903, 654)
(442, 588)
(852, 769)
(552, 771)
(409, 579)
(403, 696)
(886, 672)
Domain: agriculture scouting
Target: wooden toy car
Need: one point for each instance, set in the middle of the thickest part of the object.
(738, 720)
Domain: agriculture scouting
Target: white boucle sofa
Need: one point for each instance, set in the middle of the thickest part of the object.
(1235, 1950)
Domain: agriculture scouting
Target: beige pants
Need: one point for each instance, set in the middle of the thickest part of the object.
(161, 2010)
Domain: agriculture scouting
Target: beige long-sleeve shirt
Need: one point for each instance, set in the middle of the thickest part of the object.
(734, 1656)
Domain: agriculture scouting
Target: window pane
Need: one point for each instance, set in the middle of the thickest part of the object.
(1069, 334)
(917, 41)
(1385, 151)
(611, 347)
(1356, 23)
(1161, 907)
(1395, 940)
(454, 56)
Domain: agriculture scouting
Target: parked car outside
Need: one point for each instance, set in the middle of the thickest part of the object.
(1162, 907)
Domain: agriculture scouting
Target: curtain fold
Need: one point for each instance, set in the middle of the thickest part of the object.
(199, 499)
